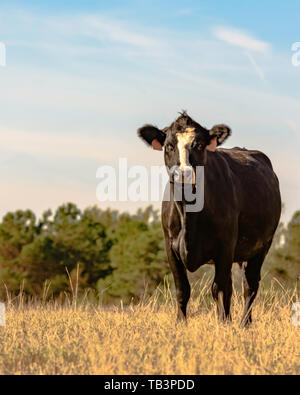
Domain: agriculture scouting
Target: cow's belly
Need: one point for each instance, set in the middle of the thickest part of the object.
(247, 249)
(254, 237)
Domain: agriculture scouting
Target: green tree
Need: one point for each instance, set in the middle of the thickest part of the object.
(17, 230)
(283, 260)
(43, 252)
(138, 259)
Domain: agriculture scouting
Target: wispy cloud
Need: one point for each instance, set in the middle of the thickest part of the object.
(244, 41)
(117, 32)
(241, 39)
(258, 70)
(75, 32)
(103, 29)
(76, 147)
(53, 145)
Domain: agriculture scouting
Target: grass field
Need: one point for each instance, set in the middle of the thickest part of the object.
(48, 338)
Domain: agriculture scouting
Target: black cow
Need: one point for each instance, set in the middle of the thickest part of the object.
(242, 207)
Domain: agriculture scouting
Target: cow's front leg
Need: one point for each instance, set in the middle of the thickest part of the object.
(222, 287)
(182, 285)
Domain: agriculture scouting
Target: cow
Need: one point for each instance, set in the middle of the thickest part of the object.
(240, 213)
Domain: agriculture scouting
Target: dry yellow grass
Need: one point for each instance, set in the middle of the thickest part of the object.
(144, 339)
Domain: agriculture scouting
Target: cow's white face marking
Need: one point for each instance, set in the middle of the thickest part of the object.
(184, 139)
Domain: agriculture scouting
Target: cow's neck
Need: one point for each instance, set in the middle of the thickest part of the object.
(189, 221)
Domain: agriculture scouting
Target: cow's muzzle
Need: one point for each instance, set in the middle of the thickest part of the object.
(184, 175)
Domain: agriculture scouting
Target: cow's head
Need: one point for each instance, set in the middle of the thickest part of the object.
(185, 143)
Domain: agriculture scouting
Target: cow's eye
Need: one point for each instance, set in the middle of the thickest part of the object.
(197, 145)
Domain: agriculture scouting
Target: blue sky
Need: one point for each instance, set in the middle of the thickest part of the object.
(82, 76)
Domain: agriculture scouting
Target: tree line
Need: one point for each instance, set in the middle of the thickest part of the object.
(116, 255)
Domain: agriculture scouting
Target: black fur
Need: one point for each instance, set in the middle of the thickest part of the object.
(222, 132)
(148, 133)
(242, 207)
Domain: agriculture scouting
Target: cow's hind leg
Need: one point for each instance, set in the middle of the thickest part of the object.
(222, 288)
(251, 284)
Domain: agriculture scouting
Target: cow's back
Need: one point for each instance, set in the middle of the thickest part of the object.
(258, 198)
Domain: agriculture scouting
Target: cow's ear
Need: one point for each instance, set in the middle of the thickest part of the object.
(222, 132)
(152, 136)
